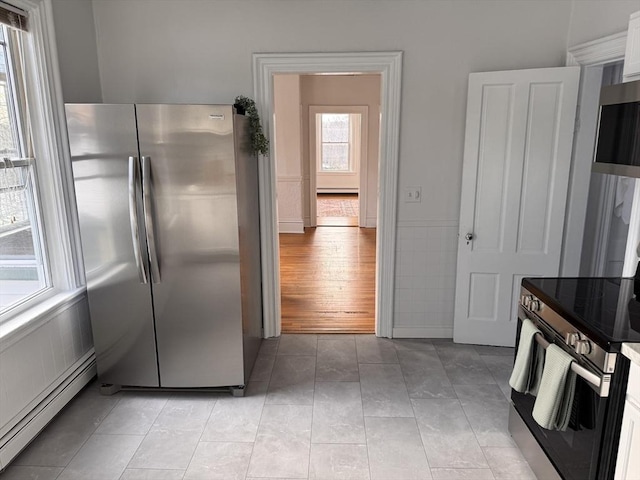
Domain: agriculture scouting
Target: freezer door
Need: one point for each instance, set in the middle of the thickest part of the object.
(104, 156)
(190, 192)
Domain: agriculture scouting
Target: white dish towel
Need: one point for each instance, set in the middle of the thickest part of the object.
(529, 359)
(552, 409)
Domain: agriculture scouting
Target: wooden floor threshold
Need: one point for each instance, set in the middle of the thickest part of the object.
(329, 331)
(337, 221)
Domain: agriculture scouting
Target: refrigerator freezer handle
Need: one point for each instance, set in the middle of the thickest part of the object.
(148, 218)
(134, 173)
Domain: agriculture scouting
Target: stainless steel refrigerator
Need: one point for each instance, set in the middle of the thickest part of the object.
(167, 199)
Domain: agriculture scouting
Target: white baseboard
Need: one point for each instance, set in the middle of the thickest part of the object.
(68, 385)
(337, 190)
(422, 332)
(291, 227)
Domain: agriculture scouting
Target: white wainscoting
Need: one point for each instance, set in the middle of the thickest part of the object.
(290, 205)
(42, 370)
(425, 279)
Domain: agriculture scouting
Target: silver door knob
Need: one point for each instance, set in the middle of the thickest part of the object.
(468, 237)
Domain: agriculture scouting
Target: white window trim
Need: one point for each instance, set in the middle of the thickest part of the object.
(355, 140)
(55, 178)
(355, 121)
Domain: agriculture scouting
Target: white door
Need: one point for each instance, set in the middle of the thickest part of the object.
(517, 157)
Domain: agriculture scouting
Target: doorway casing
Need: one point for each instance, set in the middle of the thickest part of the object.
(591, 57)
(389, 66)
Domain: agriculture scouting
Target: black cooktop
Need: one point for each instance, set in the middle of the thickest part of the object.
(605, 309)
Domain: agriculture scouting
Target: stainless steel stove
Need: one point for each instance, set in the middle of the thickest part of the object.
(589, 318)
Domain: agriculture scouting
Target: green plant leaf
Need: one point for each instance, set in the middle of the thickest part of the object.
(259, 143)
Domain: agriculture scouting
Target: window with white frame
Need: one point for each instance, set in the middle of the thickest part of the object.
(334, 142)
(23, 265)
(336, 139)
(34, 198)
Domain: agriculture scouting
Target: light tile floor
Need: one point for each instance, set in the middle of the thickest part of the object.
(317, 407)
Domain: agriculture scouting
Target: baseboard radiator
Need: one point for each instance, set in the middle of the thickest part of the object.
(58, 395)
(43, 366)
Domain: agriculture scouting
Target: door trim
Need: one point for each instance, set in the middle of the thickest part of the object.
(590, 57)
(363, 160)
(389, 66)
(598, 52)
(605, 212)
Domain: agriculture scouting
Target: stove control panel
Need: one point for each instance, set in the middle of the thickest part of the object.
(571, 338)
(583, 347)
(579, 342)
(531, 303)
(568, 333)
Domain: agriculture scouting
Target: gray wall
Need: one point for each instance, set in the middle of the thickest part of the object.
(77, 51)
(200, 51)
(593, 19)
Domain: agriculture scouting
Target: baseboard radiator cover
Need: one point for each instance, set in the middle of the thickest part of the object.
(56, 397)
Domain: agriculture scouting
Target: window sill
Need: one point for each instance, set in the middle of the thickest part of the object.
(30, 319)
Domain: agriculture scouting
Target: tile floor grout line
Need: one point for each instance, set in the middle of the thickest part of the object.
(474, 432)
(246, 470)
(364, 424)
(145, 436)
(488, 463)
(446, 373)
(215, 402)
(313, 403)
(405, 383)
(133, 456)
(424, 448)
(264, 403)
(92, 433)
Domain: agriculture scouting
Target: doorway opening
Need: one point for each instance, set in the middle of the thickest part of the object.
(339, 161)
(327, 136)
(389, 66)
(608, 213)
(337, 166)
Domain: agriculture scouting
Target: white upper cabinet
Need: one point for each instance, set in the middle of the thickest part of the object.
(632, 53)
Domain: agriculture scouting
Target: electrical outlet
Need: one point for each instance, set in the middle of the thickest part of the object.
(413, 194)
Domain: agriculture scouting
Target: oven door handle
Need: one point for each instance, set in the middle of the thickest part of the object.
(600, 383)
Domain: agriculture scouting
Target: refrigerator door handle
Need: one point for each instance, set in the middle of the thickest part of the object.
(134, 173)
(148, 218)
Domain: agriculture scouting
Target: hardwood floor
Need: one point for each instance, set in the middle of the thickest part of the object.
(337, 221)
(327, 280)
